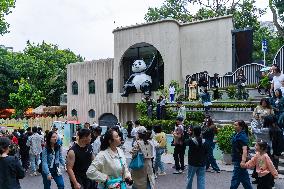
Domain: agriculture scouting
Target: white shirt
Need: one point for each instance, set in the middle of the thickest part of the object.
(172, 90)
(277, 81)
(96, 146)
(107, 165)
(282, 89)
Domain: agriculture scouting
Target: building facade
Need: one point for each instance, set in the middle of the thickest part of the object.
(180, 49)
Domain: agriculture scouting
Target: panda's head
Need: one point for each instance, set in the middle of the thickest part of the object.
(139, 66)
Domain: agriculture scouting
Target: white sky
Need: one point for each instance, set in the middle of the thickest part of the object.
(83, 26)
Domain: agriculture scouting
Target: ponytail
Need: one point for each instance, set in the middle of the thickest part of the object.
(197, 134)
(244, 126)
(4, 144)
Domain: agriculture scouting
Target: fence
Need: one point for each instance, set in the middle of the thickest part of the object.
(279, 58)
(251, 72)
(44, 122)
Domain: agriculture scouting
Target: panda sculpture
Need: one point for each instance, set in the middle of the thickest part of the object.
(140, 80)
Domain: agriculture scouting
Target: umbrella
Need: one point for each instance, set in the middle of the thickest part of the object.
(265, 69)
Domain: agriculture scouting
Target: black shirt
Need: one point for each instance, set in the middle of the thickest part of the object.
(197, 154)
(83, 159)
(10, 172)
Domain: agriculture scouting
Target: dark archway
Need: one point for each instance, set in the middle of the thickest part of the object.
(146, 52)
(108, 119)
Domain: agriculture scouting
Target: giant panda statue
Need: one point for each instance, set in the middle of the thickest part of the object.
(140, 80)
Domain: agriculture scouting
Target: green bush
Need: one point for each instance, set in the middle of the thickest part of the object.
(167, 125)
(224, 138)
(231, 91)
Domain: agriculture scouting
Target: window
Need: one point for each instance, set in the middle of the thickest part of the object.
(92, 87)
(74, 88)
(74, 112)
(110, 86)
(92, 113)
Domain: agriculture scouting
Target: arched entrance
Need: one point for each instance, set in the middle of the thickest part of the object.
(145, 52)
(108, 119)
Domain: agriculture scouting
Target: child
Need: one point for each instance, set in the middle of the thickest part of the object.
(264, 166)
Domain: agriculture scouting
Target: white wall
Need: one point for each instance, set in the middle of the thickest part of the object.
(99, 71)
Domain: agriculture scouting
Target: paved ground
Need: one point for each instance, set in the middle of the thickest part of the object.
(169, 181)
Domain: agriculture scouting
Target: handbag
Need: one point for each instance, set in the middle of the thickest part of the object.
(137, 162)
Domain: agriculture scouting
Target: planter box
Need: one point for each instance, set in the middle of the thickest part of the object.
(227, 159)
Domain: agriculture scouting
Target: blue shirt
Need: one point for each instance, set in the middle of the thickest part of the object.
(49, 159)
(238, 141)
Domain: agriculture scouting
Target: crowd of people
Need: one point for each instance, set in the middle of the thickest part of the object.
(98, 161)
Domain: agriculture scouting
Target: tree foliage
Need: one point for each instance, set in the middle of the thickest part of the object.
(25, 97)
(5, 9)
(40, 68)
(277, 9)
(245, 15)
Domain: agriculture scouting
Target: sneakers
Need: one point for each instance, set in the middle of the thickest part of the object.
(162, 173)
(177, 172)
(210, 170)
(33, 174)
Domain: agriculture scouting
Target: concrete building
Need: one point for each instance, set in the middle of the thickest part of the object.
(180, 49)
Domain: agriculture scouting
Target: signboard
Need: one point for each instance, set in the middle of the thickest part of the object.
(264, 45)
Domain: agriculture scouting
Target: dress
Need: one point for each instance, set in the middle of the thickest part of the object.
(142, 176)
(192, 90)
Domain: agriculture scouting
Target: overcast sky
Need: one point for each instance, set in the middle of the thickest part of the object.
(83, 26)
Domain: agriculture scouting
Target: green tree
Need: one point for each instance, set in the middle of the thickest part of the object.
(175, 9)
(5, 9)
(245, 15)
(277, 9)
(7, 77)
(25, 97)
(45, 66)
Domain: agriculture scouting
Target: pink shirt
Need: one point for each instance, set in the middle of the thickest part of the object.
(263, 165)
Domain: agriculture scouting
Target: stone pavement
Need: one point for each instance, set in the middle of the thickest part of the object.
(169, 181)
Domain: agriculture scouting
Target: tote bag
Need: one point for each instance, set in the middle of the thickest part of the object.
(137, 162)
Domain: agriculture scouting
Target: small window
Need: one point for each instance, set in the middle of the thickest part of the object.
(74, 88)
(92, 87)
(74, 112)
(110, 86)
(92, 113)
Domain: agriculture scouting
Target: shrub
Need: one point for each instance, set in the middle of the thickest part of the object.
(231, 91)
(224, 138)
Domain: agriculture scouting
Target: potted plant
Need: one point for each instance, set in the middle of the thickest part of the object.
(224, 138)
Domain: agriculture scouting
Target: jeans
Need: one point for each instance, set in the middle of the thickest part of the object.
(179, 156)
(58, 180)
(200, 173)
(172, 97)
(35, 161)
(159, 163)
(240, 175)
(211, 160)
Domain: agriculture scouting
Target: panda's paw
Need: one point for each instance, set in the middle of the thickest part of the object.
(124, 95)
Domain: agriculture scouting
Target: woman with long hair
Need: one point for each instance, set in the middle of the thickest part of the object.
(240, 142)
(51, 160)
(208, 133)
(144, 178)
(197, 156)
(11, 169)
(278, 105)
(109, 167)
